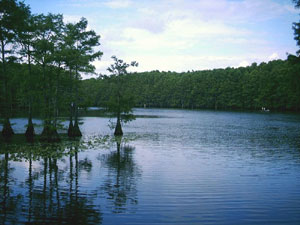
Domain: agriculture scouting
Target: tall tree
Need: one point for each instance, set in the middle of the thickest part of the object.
(25, 38)
(120, 102)
(12, 17)
(58, 61)
(80, 44)
(46, 36)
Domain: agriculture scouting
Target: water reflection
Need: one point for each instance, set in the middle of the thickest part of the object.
(121, 180)
(41, 199)
(47, 184)
(213, 168)
(9, 203)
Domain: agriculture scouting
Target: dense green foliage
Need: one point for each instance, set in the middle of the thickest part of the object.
(119, 103)
(41, 61)
(274, 85)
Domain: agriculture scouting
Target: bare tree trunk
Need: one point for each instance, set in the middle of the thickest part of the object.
(71, 127)
(30, 129)
(118, 130)
(76, 131)
(7, 130)
(49, 132)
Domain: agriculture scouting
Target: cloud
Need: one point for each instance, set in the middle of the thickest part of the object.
(115, 4)
(178, 36)
(181, 35)
(71, 18)
(244, 64)
(237, 12)
(183, 63)
(274, 56)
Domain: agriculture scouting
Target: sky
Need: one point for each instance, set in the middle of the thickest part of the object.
(183, 35)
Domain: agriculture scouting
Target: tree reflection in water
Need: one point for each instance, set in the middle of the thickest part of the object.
(10, 203)
(120, 184)
(46, 184)
(45, 199)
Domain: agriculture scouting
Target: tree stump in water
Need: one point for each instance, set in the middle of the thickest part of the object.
(7, 131)
(76, 130)
(118, 130)
(70, 129)
(30, 131)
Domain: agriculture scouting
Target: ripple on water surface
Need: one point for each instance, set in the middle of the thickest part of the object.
(172, 167)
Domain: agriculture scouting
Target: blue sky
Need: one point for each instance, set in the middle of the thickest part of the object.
(182, 35)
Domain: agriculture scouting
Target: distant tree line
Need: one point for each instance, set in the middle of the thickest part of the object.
(274, 85)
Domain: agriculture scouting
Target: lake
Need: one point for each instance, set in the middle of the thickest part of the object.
(171, 167)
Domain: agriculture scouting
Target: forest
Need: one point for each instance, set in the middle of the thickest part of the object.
(41, 61)
(43, 58)
(274, 85)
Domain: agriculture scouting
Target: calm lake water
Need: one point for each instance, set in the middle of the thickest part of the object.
(172, 167)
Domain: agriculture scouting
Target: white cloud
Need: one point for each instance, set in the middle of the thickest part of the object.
(182, 63)
(178, 36)
(244, 63)
(118, 3)
(196, 29)
(274, 56)
(71, 18)
(75, 19)
(181, 35)
(237, 12)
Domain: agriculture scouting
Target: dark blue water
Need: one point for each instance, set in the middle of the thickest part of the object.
(171, 167)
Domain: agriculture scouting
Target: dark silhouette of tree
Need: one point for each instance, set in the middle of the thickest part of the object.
(297, 3)
(48, 199)
(296, 27)
(25, 38)
(79, 46)
(9, 203)
(12, 17)
(46, 34)
(120, 102)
